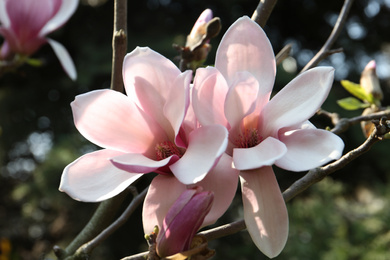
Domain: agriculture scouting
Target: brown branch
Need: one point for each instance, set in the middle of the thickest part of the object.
(119, 44)
(263, 11)
(84, 251)
(326, 48)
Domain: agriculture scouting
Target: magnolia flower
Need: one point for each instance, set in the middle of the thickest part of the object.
(25, 24)
(262, 132)
(183, 220)
(141, 132)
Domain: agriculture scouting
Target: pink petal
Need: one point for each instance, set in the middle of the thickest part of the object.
(245, 47)
(222, 180)
(206, 145)
(134, 162)
(64, 57)
(204, 18)
(208, 97)
(177, 102)
(309, 148)
(163, 192)
(241, 98)
(111, 120)
(298, 100)
(66, 10)
(4, 19)
(265, 211)
(92, 177)
(263, 154)
(148, 78)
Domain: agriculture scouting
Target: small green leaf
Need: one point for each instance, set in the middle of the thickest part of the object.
(34, 62)
(351, 103)
(357, 91)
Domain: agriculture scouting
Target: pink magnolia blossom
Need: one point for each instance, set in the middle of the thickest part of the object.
(140, 133)
(183, 220)
(25, 24)
(262, 132)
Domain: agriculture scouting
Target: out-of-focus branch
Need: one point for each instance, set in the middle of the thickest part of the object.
(99, 221)
(119, 44)
(85, 250)
(283, 54)
(326, 48)
(342, 124)
(263, 11)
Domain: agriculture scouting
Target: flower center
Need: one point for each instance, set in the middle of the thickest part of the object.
(166, 149)
(249, 138)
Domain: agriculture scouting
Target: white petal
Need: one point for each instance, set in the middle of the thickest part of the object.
(4, 15)
(206, 145)
(93, 178)
(263, 154)
(64, 57)
(297, 101)
(309, 148)
(265, 211)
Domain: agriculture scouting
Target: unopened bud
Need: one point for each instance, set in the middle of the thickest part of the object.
(370, 82)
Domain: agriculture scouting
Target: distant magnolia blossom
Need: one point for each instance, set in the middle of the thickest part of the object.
(25, 24)
(262, 132)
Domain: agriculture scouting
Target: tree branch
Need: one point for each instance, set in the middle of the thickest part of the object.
(119, 44)
(263, 11)
(326, 48)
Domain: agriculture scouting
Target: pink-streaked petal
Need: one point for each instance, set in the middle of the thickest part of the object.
(265, 211)
(208, 96)
(177, 102)
(92, 177)
(111, 120)
(298, 100)
(66, 10)
(134, 162)
(163, 192)
(245, 47)
(222, 180)
(241, 98)
(148, 77)
(309, 148)
(263, 154)
(206, 145)
(64, 57)
(4, 19)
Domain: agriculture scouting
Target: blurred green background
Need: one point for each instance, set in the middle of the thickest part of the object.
(346, 216)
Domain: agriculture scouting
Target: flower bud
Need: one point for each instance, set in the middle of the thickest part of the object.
(370, 82)
(183, 220)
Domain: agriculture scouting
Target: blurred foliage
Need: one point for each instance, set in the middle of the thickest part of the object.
(344, 217)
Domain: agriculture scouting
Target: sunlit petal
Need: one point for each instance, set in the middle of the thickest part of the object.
(64, 57)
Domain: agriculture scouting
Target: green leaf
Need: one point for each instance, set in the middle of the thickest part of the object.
(357, 91)
(34, 62)
(351, 103)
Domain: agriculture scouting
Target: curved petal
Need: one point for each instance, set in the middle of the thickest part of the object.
(64, 57)
(134, 162)
(163, 192)
(265, 211)
(4, 19)
(111, 120)
(222, 180)
(263, 154)
(309, 148)
(148, 78)
(208, 96)
(245, 47)
(298, 100)
(241, 98)
(68, 7)
(177, 102)
(92, 177)
(206, 145)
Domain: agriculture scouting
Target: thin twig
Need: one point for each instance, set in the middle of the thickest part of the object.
(119, 44)
(263, 11)
(283, 54)
(87, 248)
(326, 48)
